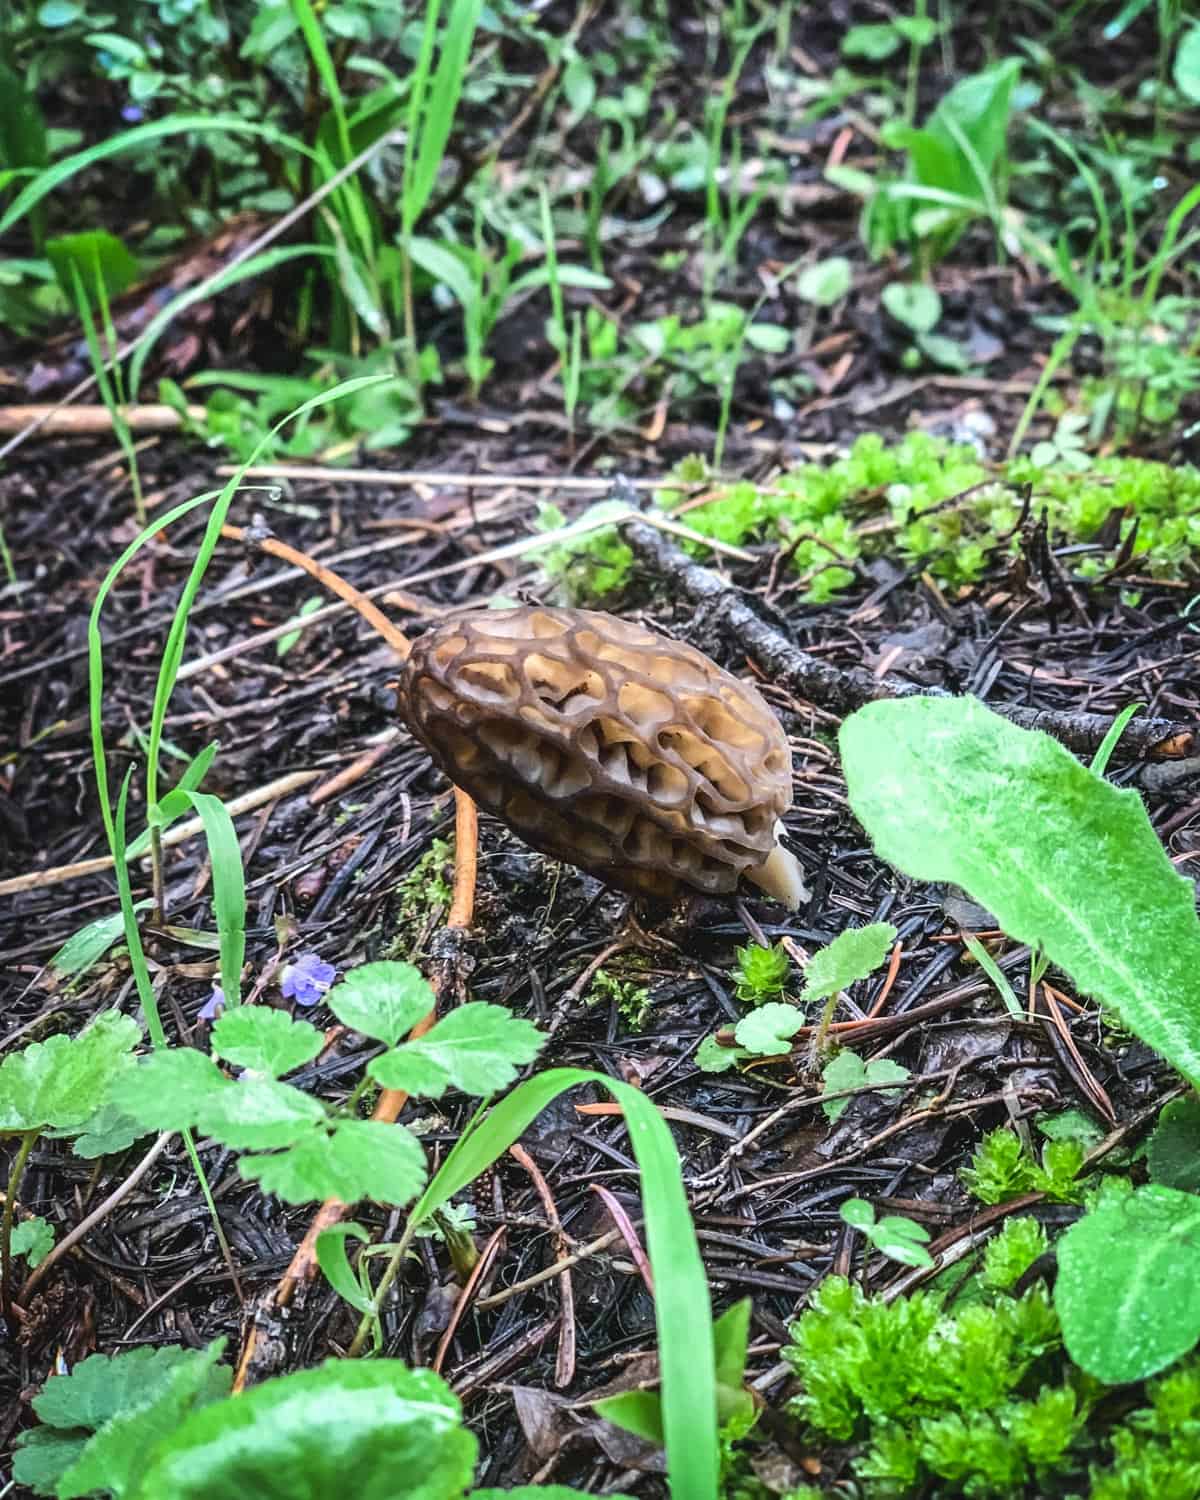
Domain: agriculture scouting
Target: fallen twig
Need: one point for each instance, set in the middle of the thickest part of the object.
(92, 421)
(843, 689)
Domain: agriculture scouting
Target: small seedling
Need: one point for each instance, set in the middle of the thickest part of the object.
(761, 973)
(900, 1239)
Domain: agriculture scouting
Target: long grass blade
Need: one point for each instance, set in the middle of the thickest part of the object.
(683, 1312)
(229, 889)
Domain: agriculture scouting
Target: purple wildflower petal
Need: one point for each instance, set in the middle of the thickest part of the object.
(132, 113)
(307, 979)
(214, 1005)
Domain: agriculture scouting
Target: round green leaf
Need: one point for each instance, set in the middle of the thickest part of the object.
(910, 302)
(376, 1430)
(1187, 65)
(1173, 1153)
(858, 1213)
(1128, 1288)
(872, 42)
(826, 282)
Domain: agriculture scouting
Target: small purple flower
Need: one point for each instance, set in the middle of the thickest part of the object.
(214, 1005)
(307, 979)
(132, 113)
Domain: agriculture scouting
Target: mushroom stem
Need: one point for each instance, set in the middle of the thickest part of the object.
(779, 875)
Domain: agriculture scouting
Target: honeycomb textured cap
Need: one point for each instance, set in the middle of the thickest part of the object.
(604, 744)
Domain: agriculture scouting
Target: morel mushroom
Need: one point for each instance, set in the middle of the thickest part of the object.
(608, 746)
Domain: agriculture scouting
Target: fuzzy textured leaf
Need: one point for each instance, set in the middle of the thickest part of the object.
(949, 791)
(255, 1114)
(361, 1159)
(851, 956)
(479, 1046)
(61, 1081)
(108, 1129)
(116, 1452)
(388, 1429)
(383, 1000)
(168, 1089)
(1173, 1151)
(264, 1040)
(1128, 1287)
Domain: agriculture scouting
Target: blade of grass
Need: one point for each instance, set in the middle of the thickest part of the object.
(141, 135)
(683, 1312)
(995, 973)
(257, 265)
(1102, 756)
(229, 889)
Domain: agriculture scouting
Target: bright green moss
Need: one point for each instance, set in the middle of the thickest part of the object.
(935, 505)
(979, 1399)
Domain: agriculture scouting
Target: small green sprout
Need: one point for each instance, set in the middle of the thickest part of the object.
(761, 973)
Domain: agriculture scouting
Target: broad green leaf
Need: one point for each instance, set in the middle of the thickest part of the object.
(768, 1029)
(845, 1071)
(109, 1129)
(1128, 1286)
(265, 1040)
(480, 1046)
(858, 1213)
(377, 1430)
(411, 1071)
(255, 1114)
(1173, 1151)
(44, 1454)
(851, 956)
(912, 303)
(711, 1057)
(639, 1412)
(1187, 65)
(872, 41)
(950, 791)
(115, 1456)
(58, 1082)
(102, 1386)
(103, 262)
(32, 1238)
(334, 1262)
(977, 109)
(826, 282)
(362, 1159)
(848, 1071)
(168, 1089)
(383, 1000)
(731, 1339)
(1074, 1125)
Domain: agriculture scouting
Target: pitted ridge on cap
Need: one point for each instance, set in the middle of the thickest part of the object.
(609, 746)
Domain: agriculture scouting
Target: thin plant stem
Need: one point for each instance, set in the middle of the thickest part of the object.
(28, 1138)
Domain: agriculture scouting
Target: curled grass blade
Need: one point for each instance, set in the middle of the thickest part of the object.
(129, 140)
